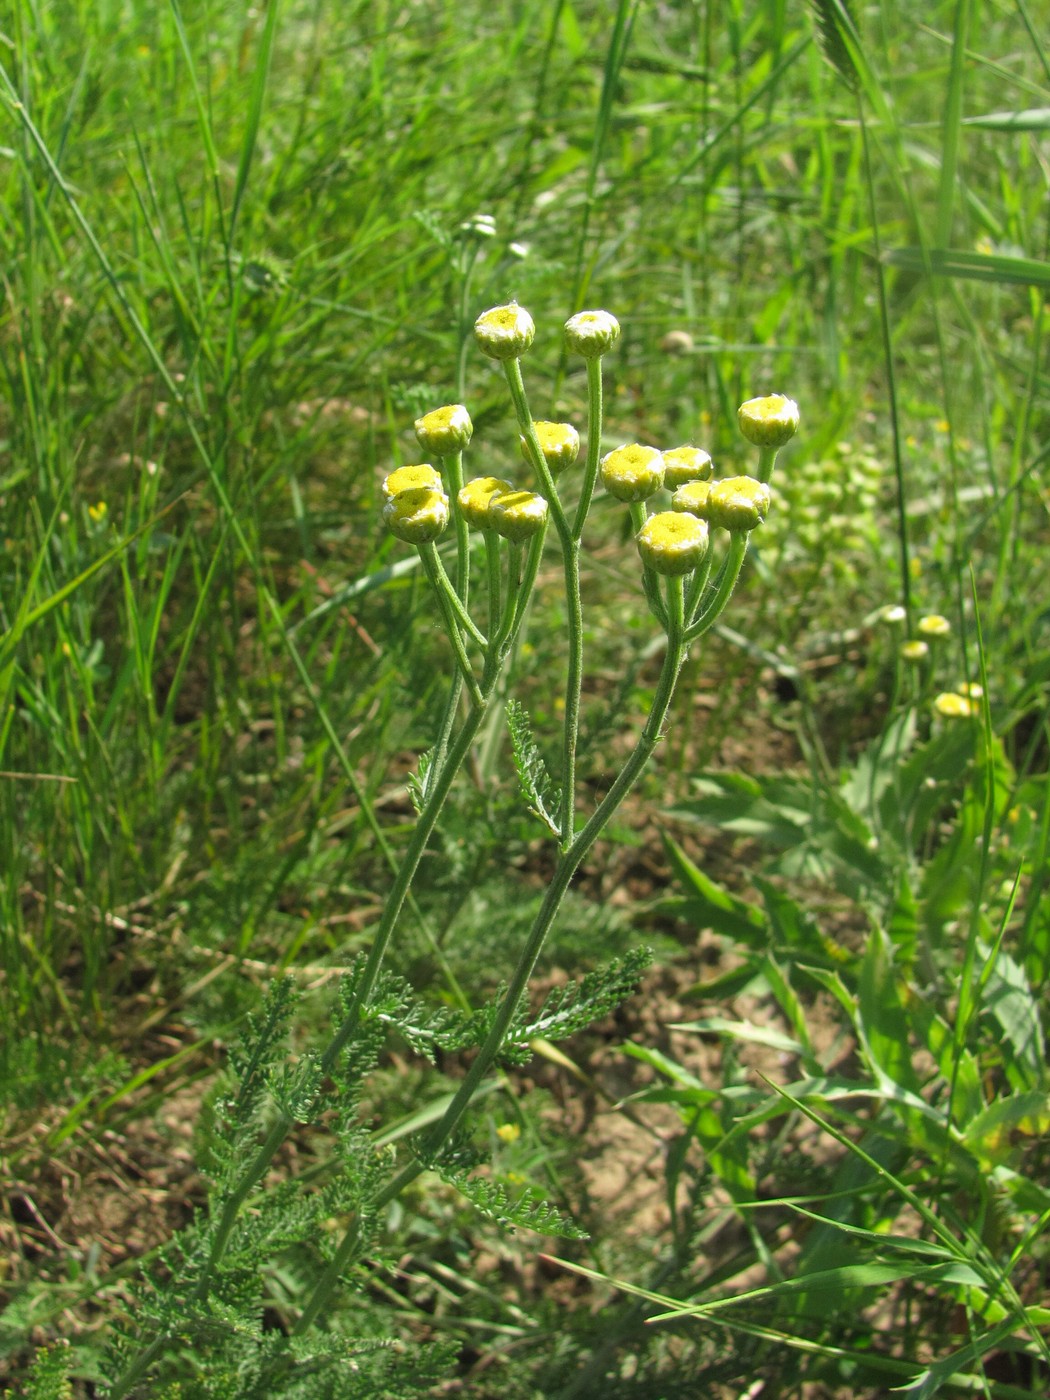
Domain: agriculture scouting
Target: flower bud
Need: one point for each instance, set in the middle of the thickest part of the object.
(473, 499)
(672, 542)
(738, 503)
(915, 651)
(504, 332)
(411, 479)
(684, 464)
(934, 626)
(769, 422)
(692, 498)
(517, 515)
(633, 473)
(445, 430)
(417, 515)
(559, 443)
(953, 706)
(591, 333)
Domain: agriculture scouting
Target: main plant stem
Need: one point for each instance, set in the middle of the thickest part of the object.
(566, 868)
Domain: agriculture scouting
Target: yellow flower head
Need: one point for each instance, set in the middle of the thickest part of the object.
(517, 515)
(692, 497)
(684, 464)
(770, 421)
(559, 443)
(445, 430)
(504, 332)
(411, 479)
(673, 542)
(934, 626)
(473, 500)
(508, 1132)
(953, 706)
(893, 615)
(633, 473)
(915, 651)
(591, 333)
(738, 503)
(417, 515)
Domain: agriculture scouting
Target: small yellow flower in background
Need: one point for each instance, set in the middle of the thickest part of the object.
(953, 706)
(973, 690)
(508, 1132)
(915, 651)
(893, 615)
(591, 333)
(98, 512)
(911, 440)
(516, 1178)
(942, 425)
(504, 332)
(935, 626)
(682, 464)
(415, 478)
(673, 542)
(445, 430)
(559, 443)
(915, 566)
(633, 473)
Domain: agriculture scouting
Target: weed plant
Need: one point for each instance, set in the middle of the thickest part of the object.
(244, 249)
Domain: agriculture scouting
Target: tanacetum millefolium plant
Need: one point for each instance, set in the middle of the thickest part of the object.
(691, 539)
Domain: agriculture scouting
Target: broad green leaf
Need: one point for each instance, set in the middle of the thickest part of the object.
(710, 906)
(1028, 119)
(977, 267)
(996, 1134)
(1008, 999)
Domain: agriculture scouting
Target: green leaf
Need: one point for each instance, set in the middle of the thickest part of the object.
(881, 1020)
(1008, 999)
(976, 267)
(708, 905)
(993, 1136)
(521, 1208)
(536, 788)
(1029, 119)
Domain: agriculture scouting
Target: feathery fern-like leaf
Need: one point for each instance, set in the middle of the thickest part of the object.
(536, 787)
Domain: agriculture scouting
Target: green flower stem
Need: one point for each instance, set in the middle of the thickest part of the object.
(570, 546)
(594, 444)
(443, 585)
(443, 588)
(563, 874)
(727, 578)
(453, 465)
(767, 460)
(650, 582)
(697, 584)
(494, 579)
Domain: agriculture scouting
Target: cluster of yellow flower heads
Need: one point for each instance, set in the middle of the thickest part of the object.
(671, 542)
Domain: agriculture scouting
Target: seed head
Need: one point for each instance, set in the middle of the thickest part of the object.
(559, 443)
(737, 503)
(445, 430)
(591, 333)
(417, 515)
(473, 499)
(517, 515)
(672, 542)
(411, 479)
(684, 464)
(633, 473)
(769, 422)
(504, 332)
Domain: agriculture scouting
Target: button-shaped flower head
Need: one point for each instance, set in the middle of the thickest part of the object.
(559, 443)
(504, 332)
(473, 499)
(682, 464)
(672, 542)
(934, 627)
(411, 479)
(915, 651)
(445, 430)
(692, 497)
(953, 706)
(633, 473)
(417, 515)
(738, 503)
(591, 333)
(517, 515)
(770, 421)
